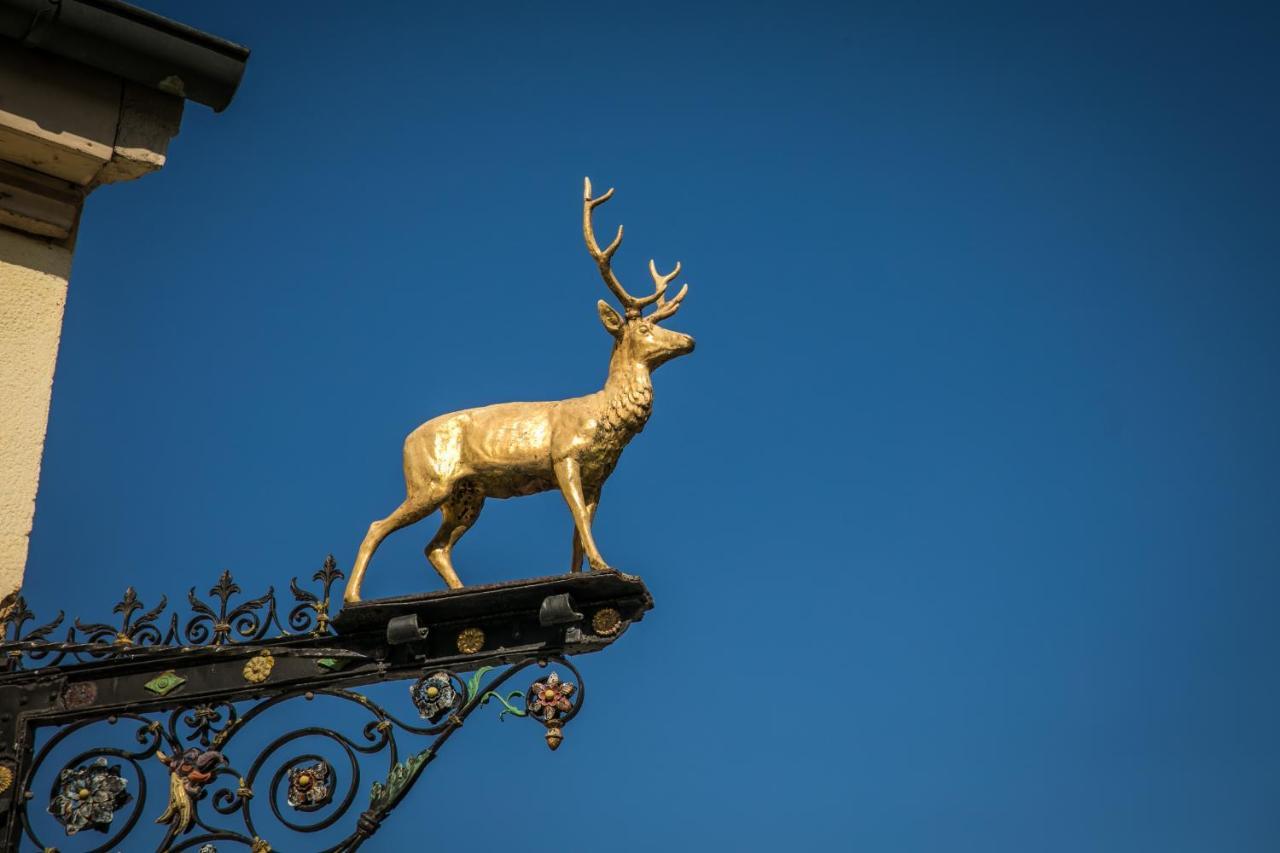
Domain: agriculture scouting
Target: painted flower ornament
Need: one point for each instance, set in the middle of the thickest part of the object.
(87, 797)
(310, 786)
(433, 695)
(550, 698)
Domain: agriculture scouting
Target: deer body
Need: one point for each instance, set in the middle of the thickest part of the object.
(510, 449)
(455, 461)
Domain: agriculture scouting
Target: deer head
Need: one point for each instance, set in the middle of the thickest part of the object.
(637, 336)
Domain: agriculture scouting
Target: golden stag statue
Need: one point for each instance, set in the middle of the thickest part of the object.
(453, 462)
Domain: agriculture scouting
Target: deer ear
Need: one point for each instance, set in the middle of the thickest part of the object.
(612, 322)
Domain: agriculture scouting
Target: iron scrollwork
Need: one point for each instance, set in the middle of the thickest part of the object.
(215, 621)
(183, 731)
(218, 777)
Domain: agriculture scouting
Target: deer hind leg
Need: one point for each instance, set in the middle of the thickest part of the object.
(575, 563)
(459, 513)
(413, 509)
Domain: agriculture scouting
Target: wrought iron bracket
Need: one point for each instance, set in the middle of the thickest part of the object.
(131, 672)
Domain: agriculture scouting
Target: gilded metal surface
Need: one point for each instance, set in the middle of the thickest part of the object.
(6, 777)
(258, 668)
(470, 640)
(455, 461)
(606, 622)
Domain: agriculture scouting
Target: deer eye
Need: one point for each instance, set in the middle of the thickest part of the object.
(644, 328)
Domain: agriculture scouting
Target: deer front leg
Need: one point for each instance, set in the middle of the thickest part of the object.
(575, 564)
(569, 478)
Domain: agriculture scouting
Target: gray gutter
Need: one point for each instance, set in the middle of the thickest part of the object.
(131, 43)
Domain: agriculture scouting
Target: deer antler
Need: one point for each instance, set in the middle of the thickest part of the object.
(604, 257)
(665, 309)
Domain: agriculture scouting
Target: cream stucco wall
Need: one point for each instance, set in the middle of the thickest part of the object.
(64, 130)
(33, 291)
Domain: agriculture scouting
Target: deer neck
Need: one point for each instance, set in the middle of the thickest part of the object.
(627, 397)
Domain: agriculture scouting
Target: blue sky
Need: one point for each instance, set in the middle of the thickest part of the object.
(961, 521)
